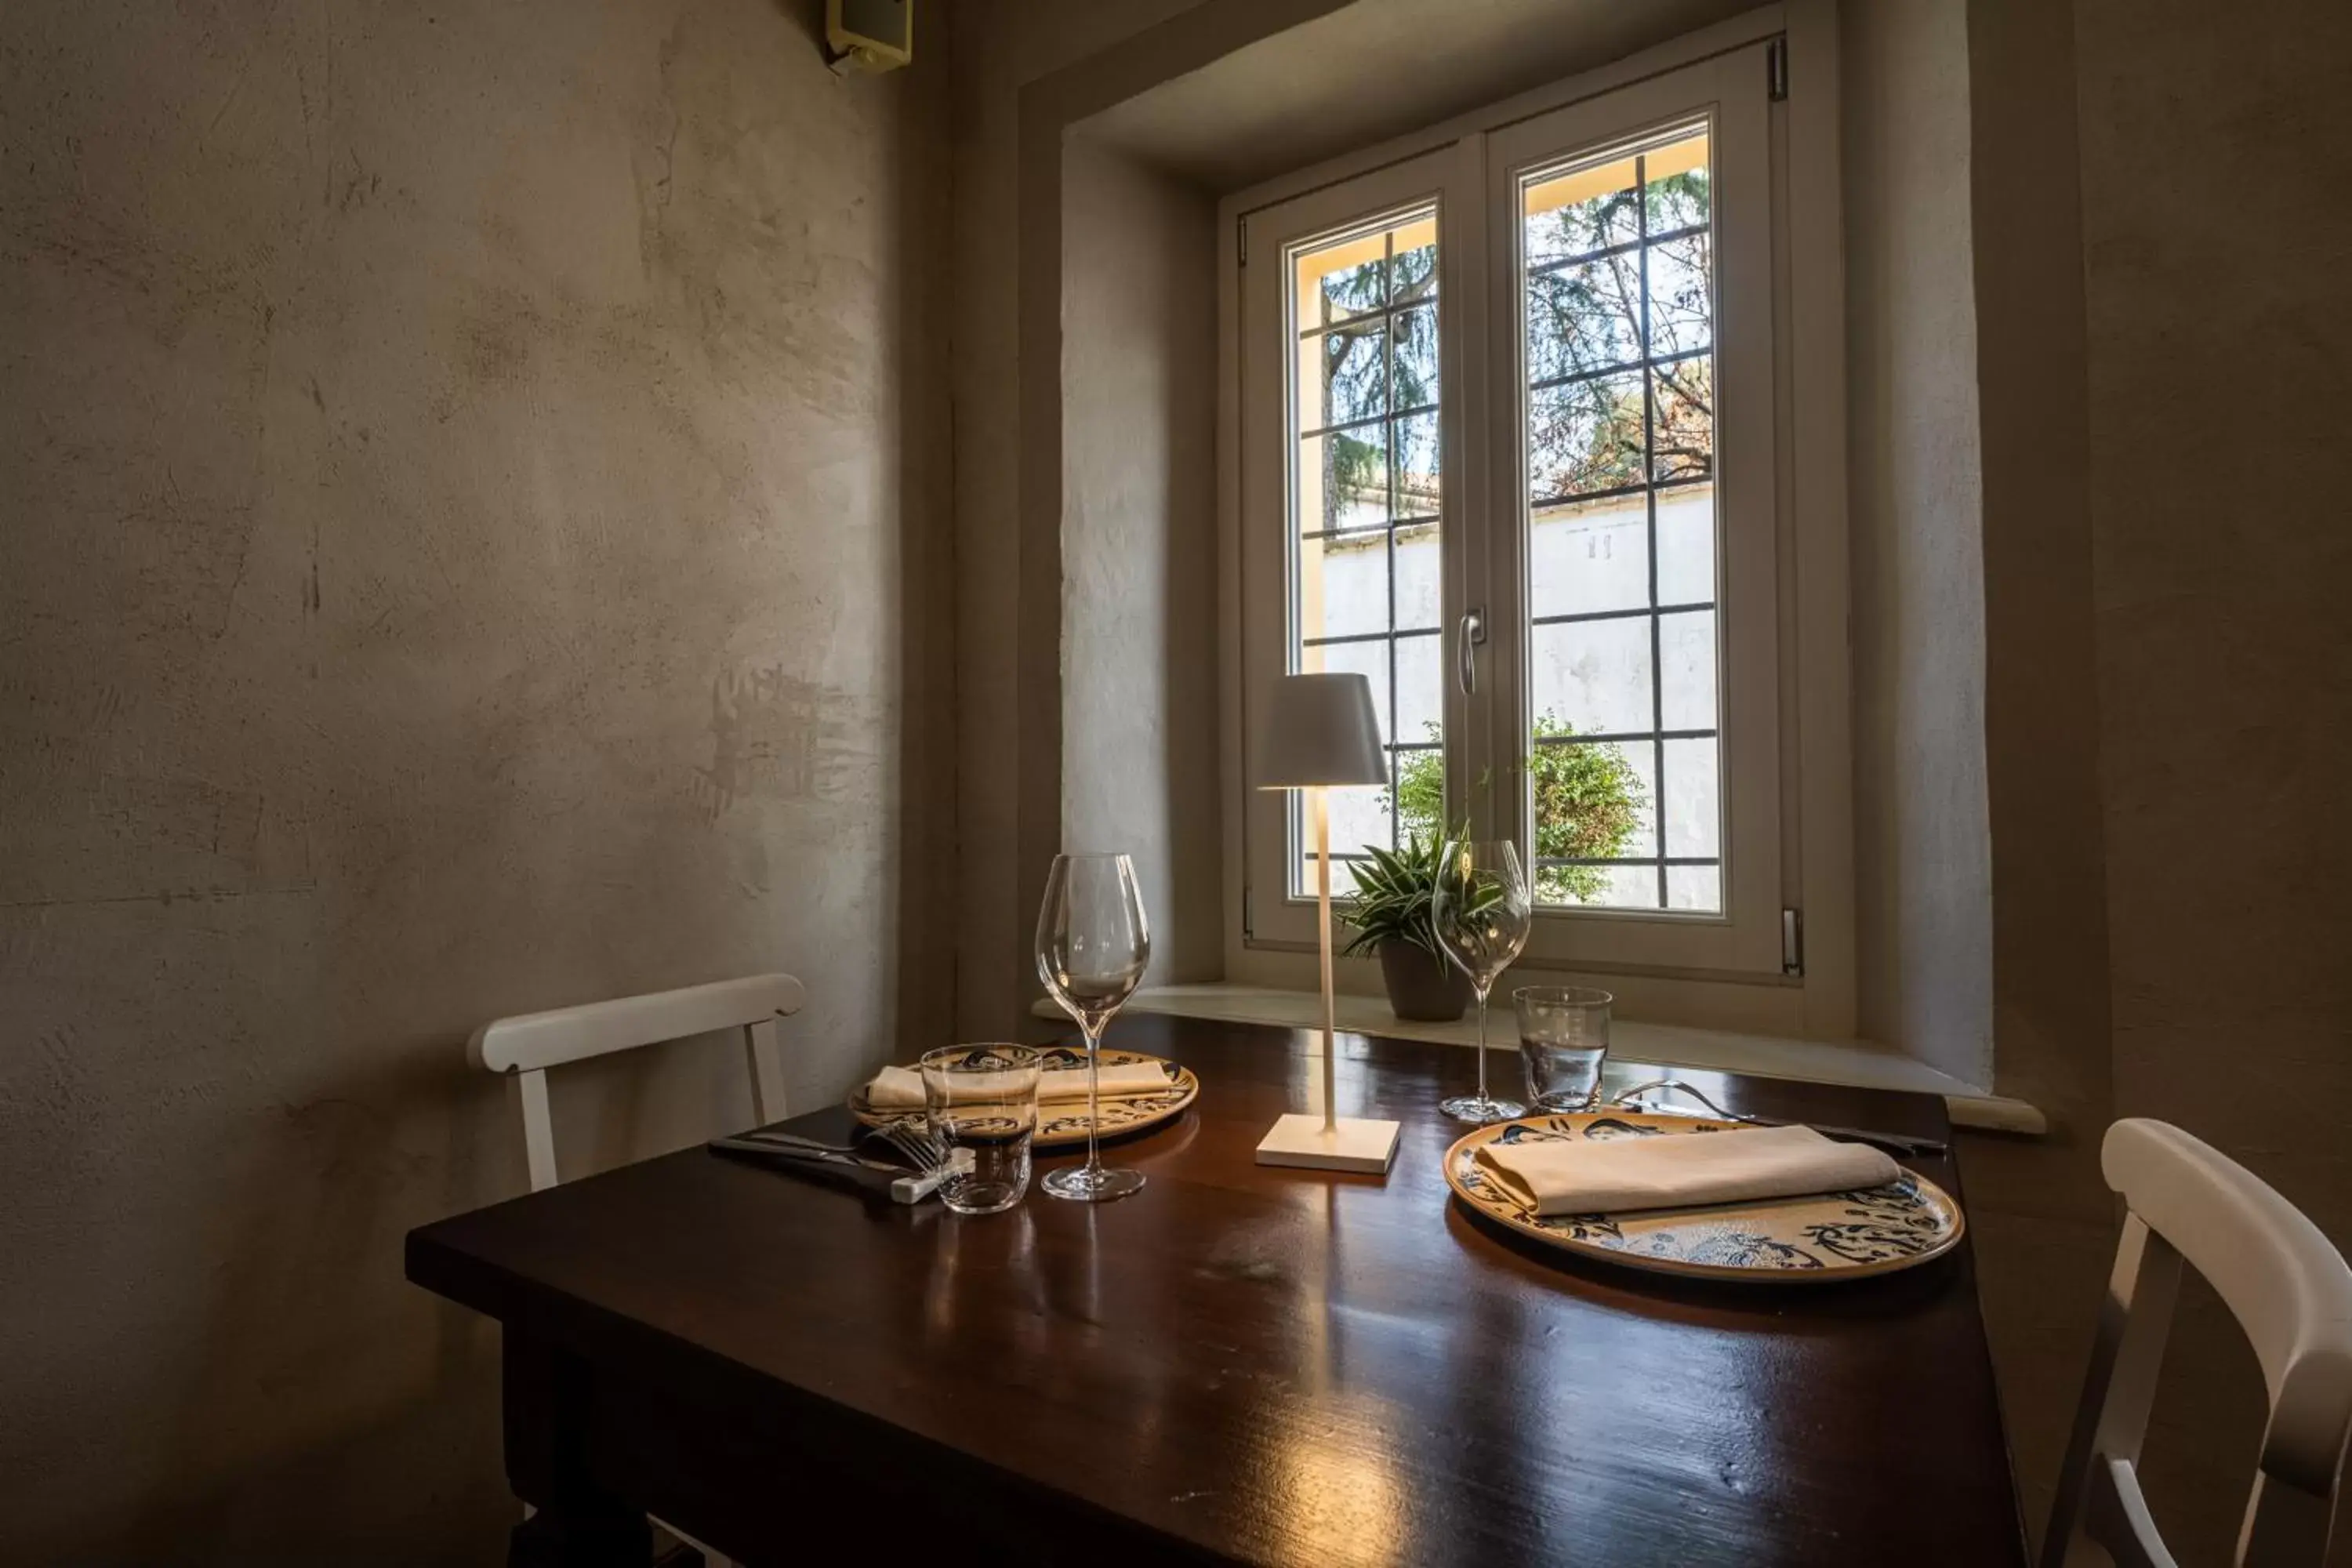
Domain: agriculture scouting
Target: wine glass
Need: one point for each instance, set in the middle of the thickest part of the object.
(1480, 912)
(1092, 947)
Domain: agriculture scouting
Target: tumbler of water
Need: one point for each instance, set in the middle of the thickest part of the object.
(1563, 1040)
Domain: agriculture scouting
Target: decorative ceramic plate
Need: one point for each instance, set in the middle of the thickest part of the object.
(1824, 1237)
(1061, 1123)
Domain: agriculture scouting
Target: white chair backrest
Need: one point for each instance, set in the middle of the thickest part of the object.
(528, 1045)
(2292, 1293)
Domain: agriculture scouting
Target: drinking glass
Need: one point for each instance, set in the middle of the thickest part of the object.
(1092, 947)
(1481, 913)
(1563, 1041)
(982, 1102)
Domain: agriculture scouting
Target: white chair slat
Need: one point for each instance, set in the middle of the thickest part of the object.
(574, 1034)
(538, 1129)
(526, 1046)
(2291, 1291)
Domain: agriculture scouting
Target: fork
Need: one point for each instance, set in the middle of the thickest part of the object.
(931, 1158)
(1895, 1142)
(920, 1146)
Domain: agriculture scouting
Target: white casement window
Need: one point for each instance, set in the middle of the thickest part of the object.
(1516, 433)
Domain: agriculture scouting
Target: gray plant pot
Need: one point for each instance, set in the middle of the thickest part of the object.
(1423, 987)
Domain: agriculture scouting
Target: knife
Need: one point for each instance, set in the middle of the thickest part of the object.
(904, 1187)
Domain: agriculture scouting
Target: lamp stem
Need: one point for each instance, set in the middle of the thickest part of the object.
(1323, 909)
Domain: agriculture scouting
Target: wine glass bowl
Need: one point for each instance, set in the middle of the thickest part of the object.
(1480, 912)
(1093, 946)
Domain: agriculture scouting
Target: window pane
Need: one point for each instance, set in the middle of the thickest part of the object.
(1677, 187)
(1415, 437)
(1412, 265)
(1413, 334)
(1683, 417)
(1420, 691)
(1590, 556)
(1349, 382)
(1364, 307)
(1594, 675)
(1419, 778)
(1686, 545)
(1591, 803)
(1682, 295)
(1618, 296)
(1686, 649)
(1580, 211)
(1358, 817)
(1697, 888)
(1418, 580)
(1338, 281)
(1584, 317)
(1584, 436)
(1343, 872)
(1343, 587)
(1611, 887)
(1691, 798)
(1343, 480)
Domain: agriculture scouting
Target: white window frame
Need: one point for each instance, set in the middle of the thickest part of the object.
(1780, 955)
(1729, 91)
(1450, 179)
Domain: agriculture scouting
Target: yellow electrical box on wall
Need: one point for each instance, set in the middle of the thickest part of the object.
(870, 35)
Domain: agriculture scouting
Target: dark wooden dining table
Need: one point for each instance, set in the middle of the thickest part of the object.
(1240, 1363)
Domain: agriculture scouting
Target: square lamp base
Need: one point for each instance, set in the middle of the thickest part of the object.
(1352, 1144)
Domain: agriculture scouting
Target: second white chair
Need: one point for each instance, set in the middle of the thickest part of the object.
(2291, 1292)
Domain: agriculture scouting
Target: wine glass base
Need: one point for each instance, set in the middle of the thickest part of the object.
(1099, 1185)
(1476, 1110)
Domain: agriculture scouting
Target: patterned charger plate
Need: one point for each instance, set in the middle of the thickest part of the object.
(1826, 1236)
(1061, 1123)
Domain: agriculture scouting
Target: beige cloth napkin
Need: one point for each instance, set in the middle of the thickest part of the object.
(1679, 1169)
(901, 1088)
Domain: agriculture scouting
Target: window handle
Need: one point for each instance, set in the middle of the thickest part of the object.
(1466, 638)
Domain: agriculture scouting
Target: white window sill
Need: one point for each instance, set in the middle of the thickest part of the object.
(1667, 1045)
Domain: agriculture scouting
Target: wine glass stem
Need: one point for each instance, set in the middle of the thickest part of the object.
(1482, 1042)
(1094, 1093)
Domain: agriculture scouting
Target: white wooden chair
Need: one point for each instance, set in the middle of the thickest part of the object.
(528, 1045)
(2292, 1293)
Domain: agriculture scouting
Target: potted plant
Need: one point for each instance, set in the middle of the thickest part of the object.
(1391, 914)
(1586, 800)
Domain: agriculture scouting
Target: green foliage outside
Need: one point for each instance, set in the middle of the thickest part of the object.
(1587, 802)
(1401, 349)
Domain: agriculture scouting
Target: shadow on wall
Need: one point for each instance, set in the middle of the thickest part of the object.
(272, 1425)
(923, 982)
(808, 16)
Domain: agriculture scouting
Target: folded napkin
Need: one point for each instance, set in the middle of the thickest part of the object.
(1679, 1169)
(901, 1088)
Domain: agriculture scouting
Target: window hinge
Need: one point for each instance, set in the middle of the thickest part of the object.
(1241, 242)
(1249, 907)
(1776, 69)
(1792, 941)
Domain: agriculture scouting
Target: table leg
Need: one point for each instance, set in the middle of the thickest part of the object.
(579, 1523)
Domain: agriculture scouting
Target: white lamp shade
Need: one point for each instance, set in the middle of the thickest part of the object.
(1320, 729)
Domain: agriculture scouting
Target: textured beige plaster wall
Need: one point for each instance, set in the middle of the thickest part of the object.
(1139, 542)
(2163, 337)
(1008, 572)
(474, 541)
(1924, 883)
(2216, 247)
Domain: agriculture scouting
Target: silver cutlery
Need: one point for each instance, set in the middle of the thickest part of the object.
(931, 1159)
(1893, 1142)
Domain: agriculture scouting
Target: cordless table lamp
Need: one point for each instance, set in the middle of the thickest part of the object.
(1321, 734)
